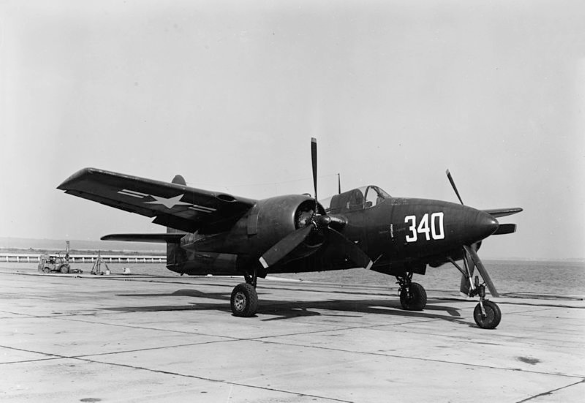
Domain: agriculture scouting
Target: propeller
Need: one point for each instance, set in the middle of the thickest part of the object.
(464, 286)
(481, 269)
(505, 229)
(317, 222)
(454, 187)
(472, 259)
(353, 252)
(285, 246)
(314, 165)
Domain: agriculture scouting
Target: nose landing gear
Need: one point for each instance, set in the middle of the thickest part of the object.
(486, 314)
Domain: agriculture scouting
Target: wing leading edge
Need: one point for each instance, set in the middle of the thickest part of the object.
(173, 205)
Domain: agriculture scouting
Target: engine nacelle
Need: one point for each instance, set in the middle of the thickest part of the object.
(270, 220)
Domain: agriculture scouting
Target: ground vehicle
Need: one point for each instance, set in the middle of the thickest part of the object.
(54, 264)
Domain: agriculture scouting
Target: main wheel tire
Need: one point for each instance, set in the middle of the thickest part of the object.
(244, 300)
(65, 269)
(492, 317)
(413, 299)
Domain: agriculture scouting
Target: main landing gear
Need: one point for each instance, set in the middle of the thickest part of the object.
(413, 296)
(244, 300)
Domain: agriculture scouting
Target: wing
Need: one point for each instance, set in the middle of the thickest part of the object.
(173, 205)
(502, 212)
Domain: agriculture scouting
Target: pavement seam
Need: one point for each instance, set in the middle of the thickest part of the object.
(26, 361)
(230, 338)
(61, 356)
(85, 358)
(418, 359)
(550, 392)
(212, 380)
(263, 339)
(72, 318)
(51, 355)
(150, 349)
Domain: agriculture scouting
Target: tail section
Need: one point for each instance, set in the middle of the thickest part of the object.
(176, 256)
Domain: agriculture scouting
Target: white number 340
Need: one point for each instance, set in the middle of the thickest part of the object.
(434, 230)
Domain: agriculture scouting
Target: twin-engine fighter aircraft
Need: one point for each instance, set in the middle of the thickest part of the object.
(221, 234)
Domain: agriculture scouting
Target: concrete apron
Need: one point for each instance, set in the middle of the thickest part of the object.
(90, 339)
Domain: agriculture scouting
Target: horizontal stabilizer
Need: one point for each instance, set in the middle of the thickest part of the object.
(505, 229)
(162, 238)
(502, 212)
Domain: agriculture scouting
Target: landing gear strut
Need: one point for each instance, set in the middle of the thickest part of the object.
(413, 296)
(244, 300)
(486, 314)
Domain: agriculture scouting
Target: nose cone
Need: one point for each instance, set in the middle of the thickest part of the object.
(481, 225)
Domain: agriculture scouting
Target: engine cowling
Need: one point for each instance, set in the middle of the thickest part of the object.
(273, 219)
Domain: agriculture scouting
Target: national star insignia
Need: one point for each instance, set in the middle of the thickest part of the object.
(170, 202)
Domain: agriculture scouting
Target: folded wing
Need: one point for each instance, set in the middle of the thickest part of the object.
(172, 205)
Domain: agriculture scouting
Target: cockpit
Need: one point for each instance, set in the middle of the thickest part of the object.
(356, 199)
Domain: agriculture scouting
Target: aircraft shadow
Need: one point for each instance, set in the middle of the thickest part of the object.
(280, 310)
(272, 309)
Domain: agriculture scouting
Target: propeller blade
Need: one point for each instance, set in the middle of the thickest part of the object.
(464, 285)
(285, 246)
(505, 229)
(314, 162)
(470, 267)
(482, 270)
(453, 185)
(351, 249)
(338, 184)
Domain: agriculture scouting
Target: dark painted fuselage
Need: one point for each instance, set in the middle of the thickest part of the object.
(398, 234)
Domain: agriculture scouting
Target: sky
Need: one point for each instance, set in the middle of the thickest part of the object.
(229, 94)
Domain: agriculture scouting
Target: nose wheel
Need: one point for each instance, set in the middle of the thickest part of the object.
(486, 314)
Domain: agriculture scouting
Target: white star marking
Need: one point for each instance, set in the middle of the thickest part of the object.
(170, 202)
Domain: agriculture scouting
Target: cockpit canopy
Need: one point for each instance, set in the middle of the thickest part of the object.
(356, 199)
